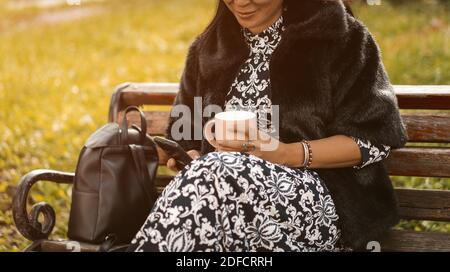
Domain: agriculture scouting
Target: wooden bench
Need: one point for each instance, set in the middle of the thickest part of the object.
(430, 123)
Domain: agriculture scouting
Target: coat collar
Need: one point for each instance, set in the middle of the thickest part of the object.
(322, 20)
(223, 48)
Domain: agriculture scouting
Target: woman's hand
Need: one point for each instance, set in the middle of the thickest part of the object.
(172, 165)
(265, 147)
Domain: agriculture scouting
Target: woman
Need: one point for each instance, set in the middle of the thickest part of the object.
(325, 186)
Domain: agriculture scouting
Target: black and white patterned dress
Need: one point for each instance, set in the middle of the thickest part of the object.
(232, 201)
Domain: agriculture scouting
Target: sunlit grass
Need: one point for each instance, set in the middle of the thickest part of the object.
(56, 80)
(414, 39)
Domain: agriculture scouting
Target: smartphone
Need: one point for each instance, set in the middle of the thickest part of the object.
(174, 150)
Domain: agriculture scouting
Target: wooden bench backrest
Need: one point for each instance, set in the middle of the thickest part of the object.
(429, 123)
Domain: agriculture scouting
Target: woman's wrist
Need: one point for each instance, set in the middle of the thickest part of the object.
(293, 155)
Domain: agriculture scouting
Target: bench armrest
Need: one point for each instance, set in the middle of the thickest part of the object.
(28, 224)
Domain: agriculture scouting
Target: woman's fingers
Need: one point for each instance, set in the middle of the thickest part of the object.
(194, 154)
(227, 149)
(172, 165)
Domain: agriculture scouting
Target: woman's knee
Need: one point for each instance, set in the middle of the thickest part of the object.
(219, 164)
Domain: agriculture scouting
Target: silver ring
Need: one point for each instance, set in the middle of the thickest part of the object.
(249, 146)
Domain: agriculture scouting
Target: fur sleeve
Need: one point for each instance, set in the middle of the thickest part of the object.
(365, 105)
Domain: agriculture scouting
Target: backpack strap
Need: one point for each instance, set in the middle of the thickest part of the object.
(124, 127)
(146, 169)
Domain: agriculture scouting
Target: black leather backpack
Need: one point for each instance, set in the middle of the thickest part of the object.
(114, 187)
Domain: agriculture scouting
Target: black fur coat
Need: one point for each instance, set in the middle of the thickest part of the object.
(328, 79)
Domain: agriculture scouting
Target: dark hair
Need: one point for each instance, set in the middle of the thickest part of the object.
(224, 15)
(348, 8)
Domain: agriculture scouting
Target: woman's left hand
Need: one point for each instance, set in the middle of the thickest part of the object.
(265, 147)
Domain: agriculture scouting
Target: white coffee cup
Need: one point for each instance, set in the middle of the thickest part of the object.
(231, 126)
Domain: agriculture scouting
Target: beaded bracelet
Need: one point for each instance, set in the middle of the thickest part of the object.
(308, 154)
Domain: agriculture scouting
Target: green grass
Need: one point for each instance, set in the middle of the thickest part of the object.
(414, 39)
(56, 80)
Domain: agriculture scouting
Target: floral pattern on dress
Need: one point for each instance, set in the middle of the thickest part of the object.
(250, 90)
(232, 201)
(370, 153)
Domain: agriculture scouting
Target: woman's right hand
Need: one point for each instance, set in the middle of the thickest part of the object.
(172, 165)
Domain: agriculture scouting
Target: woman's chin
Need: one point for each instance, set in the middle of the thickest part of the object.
(252, 23)
(248, 25)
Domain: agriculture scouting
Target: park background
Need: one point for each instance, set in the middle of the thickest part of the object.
(60, 62)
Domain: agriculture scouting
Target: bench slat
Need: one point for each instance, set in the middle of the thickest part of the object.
(405, 162)
(156, 121)
(135, 98)
(418, 204)
(422, 127)
(150, 94)
(411, 241)
(424, 162)
(409, 97)
(423, 96)
(421, 162)
(428, 127)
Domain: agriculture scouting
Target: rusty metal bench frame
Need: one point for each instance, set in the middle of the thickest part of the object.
(430, 123)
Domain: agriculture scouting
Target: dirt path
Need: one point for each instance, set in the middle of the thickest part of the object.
(49, 12)
(22, 4)
(60, 16)
(51, 17)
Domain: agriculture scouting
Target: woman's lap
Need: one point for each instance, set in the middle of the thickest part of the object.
(237, 202)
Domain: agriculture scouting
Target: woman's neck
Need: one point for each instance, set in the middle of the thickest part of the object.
(270, 21)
